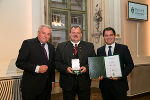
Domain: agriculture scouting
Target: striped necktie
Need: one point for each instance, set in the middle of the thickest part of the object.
(45, 53)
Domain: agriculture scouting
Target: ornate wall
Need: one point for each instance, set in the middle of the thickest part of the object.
(95, 22)
(104, 13)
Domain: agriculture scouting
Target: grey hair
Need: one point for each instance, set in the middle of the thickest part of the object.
(45, 25)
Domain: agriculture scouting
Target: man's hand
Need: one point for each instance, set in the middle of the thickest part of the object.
(100, 77)
(53, 85)
(69, 70)
(83, 69)
(114, 78)
(43, 68)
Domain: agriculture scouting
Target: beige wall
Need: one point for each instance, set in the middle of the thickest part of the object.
(136, 34)
(19, 20)
(95, 35)
(15, 26)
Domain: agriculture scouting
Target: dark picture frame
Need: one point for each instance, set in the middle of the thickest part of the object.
(137, 11)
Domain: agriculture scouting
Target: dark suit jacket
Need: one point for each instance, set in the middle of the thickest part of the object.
(126, 67)
(64, 54)
(30, 55)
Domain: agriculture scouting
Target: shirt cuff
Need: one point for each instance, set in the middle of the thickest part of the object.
(37, 69)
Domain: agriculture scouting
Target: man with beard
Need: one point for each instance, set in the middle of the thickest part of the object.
(68, 53)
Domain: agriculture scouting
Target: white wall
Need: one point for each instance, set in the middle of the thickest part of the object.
(19, 20)
(113, 15)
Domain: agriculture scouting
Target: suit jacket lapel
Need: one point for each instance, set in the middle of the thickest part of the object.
(116, 49)
(80, 47)
(69, 49)
(40, 48)
(103, 50)
(38, 42)
(70, 46)
(81, 50)
(49, 50)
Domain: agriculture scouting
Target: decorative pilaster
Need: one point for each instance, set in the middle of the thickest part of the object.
(96, 22)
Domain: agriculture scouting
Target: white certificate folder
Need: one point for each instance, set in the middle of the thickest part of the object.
(112, 66)
(108, 66)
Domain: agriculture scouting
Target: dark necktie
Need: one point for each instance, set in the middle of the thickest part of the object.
(45, 53)
(109, 51)
(75, 50)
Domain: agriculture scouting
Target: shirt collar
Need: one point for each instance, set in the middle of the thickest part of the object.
(75, 43)
(43, 43)
(112, 45)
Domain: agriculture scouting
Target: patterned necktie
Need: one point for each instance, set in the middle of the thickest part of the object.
(45, 53)
(109, 51)
(75, 52)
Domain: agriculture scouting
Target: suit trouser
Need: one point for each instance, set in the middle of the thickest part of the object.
(34, 96)
(110, 93)
(71, 94)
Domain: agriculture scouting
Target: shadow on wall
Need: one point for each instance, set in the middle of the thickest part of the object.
(12, 69)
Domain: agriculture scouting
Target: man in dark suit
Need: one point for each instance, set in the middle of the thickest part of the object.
(36, 58)
(115, 88)
(71, 82)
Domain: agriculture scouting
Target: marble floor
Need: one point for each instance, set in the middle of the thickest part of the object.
(95, 92)
(145, 96)
(96, 95)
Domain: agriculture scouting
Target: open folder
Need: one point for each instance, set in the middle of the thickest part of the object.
(108, 66)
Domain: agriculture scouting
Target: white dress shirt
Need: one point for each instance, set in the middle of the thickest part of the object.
(112, 48)
(47, 51)
(75, 43)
